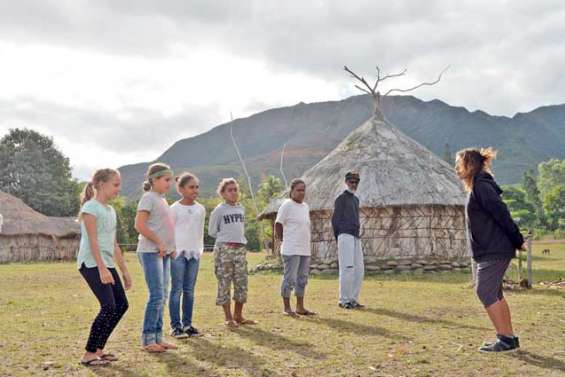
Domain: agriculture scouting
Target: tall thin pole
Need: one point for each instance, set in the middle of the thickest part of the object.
(530, 277)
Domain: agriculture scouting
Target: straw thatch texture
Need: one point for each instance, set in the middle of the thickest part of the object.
(412, 204)
(27, 235)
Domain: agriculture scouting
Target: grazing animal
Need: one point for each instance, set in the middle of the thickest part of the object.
(546, 251)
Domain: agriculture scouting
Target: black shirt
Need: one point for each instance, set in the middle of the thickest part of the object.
(345, 218)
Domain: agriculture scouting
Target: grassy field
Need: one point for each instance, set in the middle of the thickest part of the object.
(413, 326)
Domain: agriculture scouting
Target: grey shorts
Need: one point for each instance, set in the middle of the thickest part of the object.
(490, 274)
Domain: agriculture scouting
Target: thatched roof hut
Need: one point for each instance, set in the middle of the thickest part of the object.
(412, 204)
(28, 235)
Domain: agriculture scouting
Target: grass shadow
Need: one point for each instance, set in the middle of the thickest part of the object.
(179, 365)
(278, 342)
(229, 357)
(421, 319)
(545, 362)
(113, 370)
(356, 328)
(536, 291)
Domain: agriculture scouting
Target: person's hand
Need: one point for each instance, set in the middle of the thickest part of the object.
(162, 249)
(127, 280)
(105, 276)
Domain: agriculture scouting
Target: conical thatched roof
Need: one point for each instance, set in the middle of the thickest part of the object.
(18, 219)
(395, 170)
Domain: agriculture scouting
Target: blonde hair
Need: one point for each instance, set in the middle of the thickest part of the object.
(100, 176)
(153, 169)
(224, 183)
(473, 161)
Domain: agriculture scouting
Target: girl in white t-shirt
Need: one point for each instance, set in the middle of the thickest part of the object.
(188, 217)
(292, 227)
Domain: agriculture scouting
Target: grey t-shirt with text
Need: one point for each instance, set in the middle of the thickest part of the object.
(227, 223)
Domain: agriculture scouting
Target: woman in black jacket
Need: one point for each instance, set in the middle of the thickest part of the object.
(494, 238)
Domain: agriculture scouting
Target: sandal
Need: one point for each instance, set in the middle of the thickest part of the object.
(153, 348)
(306, 313)
(244, 322)
(290, 314)
(94, 362)
(109, 357)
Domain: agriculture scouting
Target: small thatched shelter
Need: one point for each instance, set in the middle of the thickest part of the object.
(412, 204)
(27, 235)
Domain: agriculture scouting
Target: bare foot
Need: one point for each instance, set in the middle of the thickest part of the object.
(153, 348)
(168, 346)
(231, 324)
(242, 321)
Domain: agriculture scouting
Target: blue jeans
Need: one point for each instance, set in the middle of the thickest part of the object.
(183, 279)
(156, 271)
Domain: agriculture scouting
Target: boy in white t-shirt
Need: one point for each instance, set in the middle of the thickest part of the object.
(188, 217)
(292, 227)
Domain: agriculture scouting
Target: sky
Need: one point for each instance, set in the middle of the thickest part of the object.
(116, 82)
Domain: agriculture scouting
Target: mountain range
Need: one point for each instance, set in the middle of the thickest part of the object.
(311, 131)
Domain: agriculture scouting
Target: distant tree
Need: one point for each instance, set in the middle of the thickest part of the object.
(554, 205)
(270, 187)
(551, 174)
(520, 208)
(34, 170)
(448, 155)
(533, 196)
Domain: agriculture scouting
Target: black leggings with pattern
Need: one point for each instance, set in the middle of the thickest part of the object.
(113, 305)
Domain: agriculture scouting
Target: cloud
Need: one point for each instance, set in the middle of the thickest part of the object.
(118, 68)
(93, 139)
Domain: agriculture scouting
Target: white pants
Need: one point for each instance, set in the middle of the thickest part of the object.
(351, 268)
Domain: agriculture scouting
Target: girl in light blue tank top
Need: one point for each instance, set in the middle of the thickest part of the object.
(95, 261)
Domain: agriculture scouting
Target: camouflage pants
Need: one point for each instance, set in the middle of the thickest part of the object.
(230, 264)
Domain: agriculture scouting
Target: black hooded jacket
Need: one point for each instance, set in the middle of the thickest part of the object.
(492, 232)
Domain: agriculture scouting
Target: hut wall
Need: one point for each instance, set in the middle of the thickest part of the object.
(398, 239)
(27, 248)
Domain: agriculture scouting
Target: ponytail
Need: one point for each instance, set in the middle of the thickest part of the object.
(88, 193)
(100, 176)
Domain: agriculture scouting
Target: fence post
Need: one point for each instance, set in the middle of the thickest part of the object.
(530, 279)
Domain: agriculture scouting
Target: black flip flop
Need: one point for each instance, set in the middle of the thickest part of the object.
(94, 362)
(109, 357)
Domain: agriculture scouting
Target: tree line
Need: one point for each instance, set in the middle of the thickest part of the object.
(34, 170)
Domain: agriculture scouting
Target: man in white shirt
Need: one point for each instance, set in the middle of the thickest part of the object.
(292, 227)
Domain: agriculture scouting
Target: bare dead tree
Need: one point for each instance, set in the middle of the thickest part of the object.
(372, 90)
(281, 166)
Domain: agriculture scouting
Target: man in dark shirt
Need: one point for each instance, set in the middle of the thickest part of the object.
(345, 224)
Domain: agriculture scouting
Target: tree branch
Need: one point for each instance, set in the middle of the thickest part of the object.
(362, 89)
(362, 79)
(394, 75)
(419, 85)
(378, 79)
